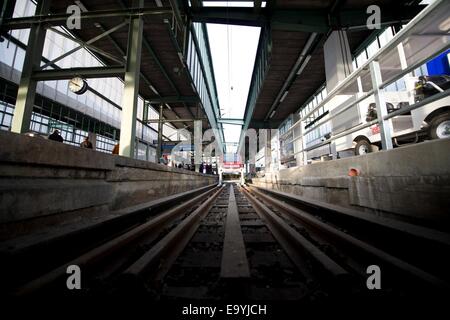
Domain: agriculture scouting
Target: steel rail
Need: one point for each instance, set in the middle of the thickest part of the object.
(291, 240)
(14, 247)
(397, 226)
(355, 243)
(164, 253)
(234, 257)
(105, 250)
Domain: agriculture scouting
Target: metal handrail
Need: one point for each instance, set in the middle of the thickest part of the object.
(354, 129)
(348, 106)
(391, 45)
(417, 105)
(389, 116)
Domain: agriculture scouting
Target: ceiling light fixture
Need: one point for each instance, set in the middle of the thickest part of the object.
(304, 64)
(271, 115)
(284, 96)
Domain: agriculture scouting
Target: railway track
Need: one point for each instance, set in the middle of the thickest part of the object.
(231, 242)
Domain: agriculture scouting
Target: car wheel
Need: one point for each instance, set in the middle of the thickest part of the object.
(363, 147)
(440, 126)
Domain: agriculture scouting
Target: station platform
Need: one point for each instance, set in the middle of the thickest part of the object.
(44, 182)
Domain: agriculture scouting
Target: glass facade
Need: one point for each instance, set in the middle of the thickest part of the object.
(200, 68)
(100, 107)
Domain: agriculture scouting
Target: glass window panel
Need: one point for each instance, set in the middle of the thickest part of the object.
(361, 59)
(7, 120)
(386, 36)
(20, 8)
(62, 86)
(7, 53)
(319, 97)
(23, 35)
(20, 57)
(372, 48)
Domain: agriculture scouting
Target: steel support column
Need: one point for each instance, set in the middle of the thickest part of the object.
(265, 137)
(7, 10)
(303, 154)
(220, 175)
(198, 146)
(160, 134)
(27, 85)
(385, 130)
(131, 89)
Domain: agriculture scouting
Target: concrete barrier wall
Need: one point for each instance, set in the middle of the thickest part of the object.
(412, 181)
(40, 178)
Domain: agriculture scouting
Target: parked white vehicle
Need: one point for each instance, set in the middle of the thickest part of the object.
(431, 121)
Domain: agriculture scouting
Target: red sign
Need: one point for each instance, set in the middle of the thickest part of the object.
(375, 129)
(232, 165)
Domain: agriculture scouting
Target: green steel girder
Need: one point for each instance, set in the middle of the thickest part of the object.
(86, 44)
(183, 100)
(306, 20)
(239, 122)
(89, 72)
(196, 4)
(272, 124)
(122, 52)
(155, 57)
(7, 9)
(224, 15)
(100, 15)
(176, 120)
(174, 99)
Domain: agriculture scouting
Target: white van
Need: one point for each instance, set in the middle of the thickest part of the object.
(431, 121)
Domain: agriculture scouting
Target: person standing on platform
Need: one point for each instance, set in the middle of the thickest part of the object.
(163, 160)
(55, 136)
(86, 143)
(116, 149)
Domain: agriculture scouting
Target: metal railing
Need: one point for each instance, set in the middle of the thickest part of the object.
(433, 16)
